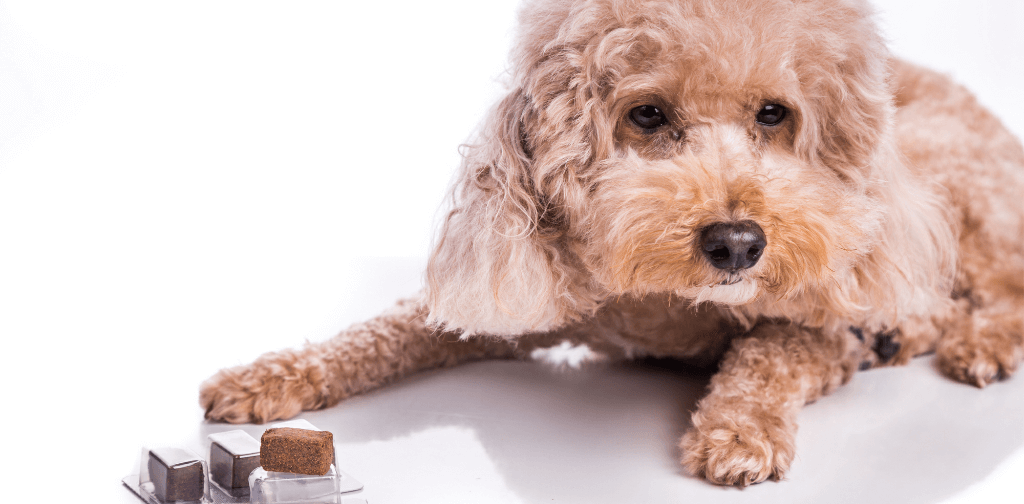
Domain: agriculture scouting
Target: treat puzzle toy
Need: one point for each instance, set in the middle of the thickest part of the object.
(293, 463)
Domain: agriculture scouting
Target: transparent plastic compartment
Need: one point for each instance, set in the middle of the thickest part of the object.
(271, 487)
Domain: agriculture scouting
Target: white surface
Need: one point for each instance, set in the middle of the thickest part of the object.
(186, 185)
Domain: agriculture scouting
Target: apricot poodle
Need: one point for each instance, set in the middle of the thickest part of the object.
(757, 182)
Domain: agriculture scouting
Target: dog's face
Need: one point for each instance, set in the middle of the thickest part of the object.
(710, 180)
(724, 151)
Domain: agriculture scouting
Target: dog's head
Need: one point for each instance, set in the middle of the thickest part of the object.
(736, 152)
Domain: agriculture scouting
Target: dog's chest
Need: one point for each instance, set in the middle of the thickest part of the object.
(661, 326)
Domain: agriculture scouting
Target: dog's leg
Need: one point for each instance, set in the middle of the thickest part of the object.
(281, 384)
(988, 344)
(743, 430)
(981, 164)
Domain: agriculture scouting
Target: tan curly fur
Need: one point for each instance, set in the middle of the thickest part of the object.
(890, 204)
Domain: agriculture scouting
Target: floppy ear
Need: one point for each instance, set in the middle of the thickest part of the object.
(849, 106)
(498, 266)
(849, 127)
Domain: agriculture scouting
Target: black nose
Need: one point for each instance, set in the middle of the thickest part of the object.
(733, 246)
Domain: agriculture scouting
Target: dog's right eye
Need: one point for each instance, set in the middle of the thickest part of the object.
(771, 114)
(648, 117)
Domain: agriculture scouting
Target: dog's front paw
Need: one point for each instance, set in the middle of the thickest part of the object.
(738, 449)
(274, 387)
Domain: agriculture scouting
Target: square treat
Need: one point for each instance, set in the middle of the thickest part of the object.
(233, 455)
(298, 451)
(177, 474)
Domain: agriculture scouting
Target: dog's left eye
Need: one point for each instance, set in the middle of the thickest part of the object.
(648, 117)
(771, 114)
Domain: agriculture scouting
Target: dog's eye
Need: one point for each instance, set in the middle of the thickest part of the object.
(771, 114)
(647, 117)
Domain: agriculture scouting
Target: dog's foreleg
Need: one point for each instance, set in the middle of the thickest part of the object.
(281, 384)
(743, 430)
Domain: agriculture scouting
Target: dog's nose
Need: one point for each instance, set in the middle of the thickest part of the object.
(733, 246)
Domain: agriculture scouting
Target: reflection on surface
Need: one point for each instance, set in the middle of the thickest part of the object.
(521, 432)
(548, 433)
(422, 463)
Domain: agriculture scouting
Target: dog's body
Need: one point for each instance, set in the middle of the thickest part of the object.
(751, 182)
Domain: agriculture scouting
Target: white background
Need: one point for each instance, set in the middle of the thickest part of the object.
(185, 185)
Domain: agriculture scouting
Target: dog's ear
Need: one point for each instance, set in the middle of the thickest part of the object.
(500, 265)
(849, 107)
(848, 126)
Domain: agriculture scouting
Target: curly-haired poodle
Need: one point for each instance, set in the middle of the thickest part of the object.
(754, 182)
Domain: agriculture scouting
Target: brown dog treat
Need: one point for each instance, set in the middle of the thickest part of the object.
(297, 451)
(177, 474)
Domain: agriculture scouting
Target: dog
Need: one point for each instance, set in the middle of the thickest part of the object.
(757, 184)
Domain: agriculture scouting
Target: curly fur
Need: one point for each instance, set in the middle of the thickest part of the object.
(889, 201)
